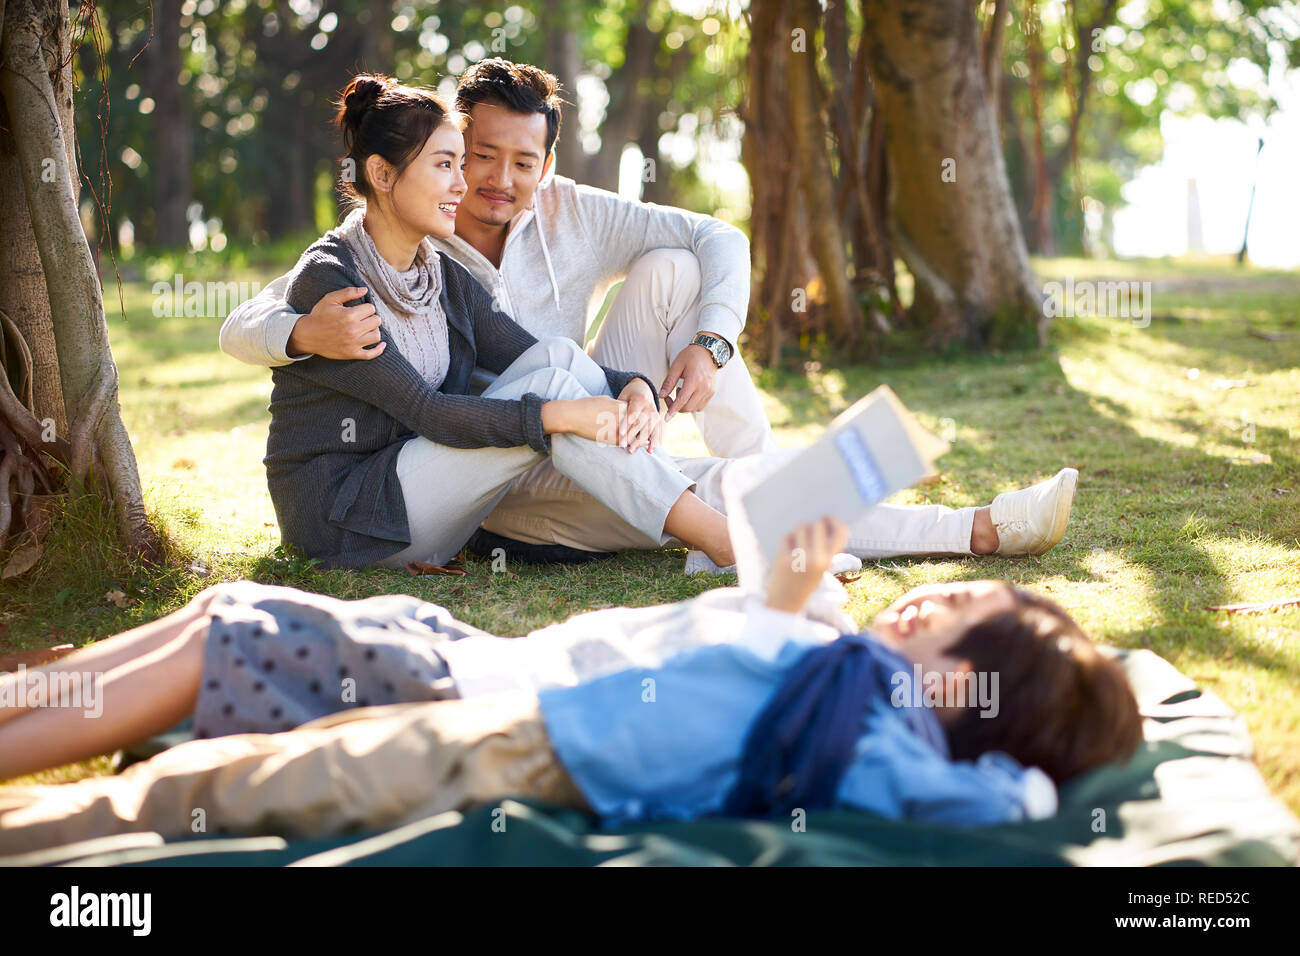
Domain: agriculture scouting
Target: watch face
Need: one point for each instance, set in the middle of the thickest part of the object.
(717, 347)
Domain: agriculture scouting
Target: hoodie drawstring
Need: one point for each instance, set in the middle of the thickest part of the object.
(546, 254)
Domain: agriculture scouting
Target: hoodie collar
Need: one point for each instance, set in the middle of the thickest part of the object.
(517, 225)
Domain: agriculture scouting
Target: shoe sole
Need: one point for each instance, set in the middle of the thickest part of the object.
(1064, 502)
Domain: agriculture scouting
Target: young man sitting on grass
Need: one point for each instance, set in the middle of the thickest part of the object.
(723, 704)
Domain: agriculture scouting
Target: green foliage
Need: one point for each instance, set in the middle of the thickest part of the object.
(1143, 58)
(258, 79)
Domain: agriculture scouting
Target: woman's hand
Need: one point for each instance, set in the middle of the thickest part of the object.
(643, 421)
(630, 421)
(598, 418)
(805, 555)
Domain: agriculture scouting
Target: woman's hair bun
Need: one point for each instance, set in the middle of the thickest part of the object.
(362, 93)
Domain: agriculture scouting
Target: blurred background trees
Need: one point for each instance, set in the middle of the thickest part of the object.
(800, 122)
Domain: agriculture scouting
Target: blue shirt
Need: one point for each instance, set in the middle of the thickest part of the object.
(665, 744)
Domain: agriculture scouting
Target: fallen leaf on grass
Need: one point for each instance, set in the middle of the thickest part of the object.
(1250, 607)
(421, 569)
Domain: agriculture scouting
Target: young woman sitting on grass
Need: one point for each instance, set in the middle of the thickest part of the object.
(723, 704)
(390, 460)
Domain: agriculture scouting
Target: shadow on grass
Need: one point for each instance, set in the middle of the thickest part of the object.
(1148, 502)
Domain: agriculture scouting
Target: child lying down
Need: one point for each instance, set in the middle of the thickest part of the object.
(963, 704)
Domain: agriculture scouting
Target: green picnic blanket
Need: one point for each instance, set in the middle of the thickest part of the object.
(1191, 795)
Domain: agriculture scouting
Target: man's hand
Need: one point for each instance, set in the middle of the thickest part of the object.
(334, 330)
(804, 557)
(643, 424)
(695, 368)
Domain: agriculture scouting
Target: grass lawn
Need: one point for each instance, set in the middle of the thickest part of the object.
(1184, 434)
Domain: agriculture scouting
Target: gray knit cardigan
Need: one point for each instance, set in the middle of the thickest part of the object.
(337, 426)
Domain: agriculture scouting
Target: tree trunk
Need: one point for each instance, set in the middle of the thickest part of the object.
(775, 311)
(564, 59)
(992, 57)
(22, 294)
(171, 173)
(1042, 214)
(377, 49)
(954, 221)
(36, 85)
(809, 140)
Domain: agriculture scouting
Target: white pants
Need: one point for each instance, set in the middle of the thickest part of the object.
(449, 491)
(652, 319)
(545, 507)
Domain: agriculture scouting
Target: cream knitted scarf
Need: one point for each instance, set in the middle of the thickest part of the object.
(407, 302)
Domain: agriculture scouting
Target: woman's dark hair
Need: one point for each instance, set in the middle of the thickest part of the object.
(377, 115)
(1063, 706)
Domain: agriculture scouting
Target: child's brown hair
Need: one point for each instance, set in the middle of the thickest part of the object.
(1063, 706)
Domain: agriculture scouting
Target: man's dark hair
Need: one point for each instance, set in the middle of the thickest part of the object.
(516, 86)
(1063, 706)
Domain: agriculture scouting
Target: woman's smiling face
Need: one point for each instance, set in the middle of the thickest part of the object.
(428, 193)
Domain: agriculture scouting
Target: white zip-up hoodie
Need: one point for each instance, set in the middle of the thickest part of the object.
(560, 259)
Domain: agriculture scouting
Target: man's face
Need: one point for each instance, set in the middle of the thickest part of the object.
(926, 621)
(504, 163)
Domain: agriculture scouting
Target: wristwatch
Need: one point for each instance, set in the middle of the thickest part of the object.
(718, 348)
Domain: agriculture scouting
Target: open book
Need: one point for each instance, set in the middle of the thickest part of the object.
(871, 450)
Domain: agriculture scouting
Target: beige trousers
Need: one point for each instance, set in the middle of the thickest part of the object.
(357, 770)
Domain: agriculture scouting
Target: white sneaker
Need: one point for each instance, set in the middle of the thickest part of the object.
(844, 563)
(697, 562)
(1033, 520)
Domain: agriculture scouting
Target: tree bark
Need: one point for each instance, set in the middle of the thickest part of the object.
(960, 238)
(775, 209)
(626, 114)
(171, 170)
(39, 112)
(377, 48)
(22, 294)
(809, 141)
(993, 47)
(564, 59)
(1042, 218)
